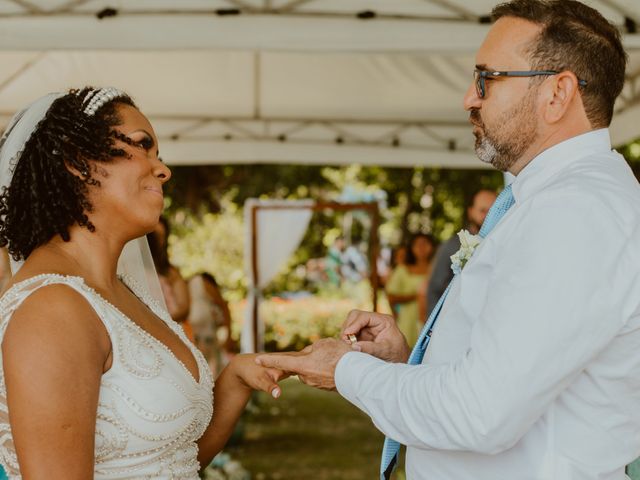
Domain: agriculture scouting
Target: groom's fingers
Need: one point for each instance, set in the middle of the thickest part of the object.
(305, 351)
(364, 324)
(276, 374)
(302, 352)
(288, 362)
(356, 321)
(351, 317)
(354, 317)
(366, 335)
(371, 348)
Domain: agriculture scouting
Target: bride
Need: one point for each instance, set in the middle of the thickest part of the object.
(96, 380)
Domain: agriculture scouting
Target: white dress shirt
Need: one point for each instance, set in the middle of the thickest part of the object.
(533, 371)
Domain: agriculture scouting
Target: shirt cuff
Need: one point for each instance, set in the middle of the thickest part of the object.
(349, 371)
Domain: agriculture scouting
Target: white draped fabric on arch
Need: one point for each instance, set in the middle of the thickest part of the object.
(274, 229)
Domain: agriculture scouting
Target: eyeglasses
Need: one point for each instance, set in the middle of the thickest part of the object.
(480, 77)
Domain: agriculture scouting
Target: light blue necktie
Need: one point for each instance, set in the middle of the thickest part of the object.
(391, 448)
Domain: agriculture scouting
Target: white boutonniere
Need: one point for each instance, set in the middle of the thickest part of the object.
(468, 243)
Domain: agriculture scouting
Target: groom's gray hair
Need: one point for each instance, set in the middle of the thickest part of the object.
(579, 39)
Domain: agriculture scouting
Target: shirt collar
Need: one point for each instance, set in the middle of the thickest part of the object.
(554, 159)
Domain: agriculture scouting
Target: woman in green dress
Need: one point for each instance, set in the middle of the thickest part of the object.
(406, 285)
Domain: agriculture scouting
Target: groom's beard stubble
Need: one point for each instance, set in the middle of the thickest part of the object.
(515, 133)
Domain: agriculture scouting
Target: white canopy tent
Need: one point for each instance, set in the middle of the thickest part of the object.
(277, 81)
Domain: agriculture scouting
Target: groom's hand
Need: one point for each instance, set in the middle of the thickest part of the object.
(377, 335)
(315, 365)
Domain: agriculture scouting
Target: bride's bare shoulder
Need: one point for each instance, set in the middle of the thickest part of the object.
(54, 320)
(53, 360)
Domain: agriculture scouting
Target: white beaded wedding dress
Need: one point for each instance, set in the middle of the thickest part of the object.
(151, 410)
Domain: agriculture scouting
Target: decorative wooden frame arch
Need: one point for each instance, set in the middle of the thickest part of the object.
(370, 207)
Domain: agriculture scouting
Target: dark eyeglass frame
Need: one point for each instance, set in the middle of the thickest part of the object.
(480, 76)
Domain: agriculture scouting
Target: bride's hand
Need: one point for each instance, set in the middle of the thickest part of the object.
(257, 377)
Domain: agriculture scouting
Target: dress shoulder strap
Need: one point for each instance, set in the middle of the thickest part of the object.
(145, 297)
(16, 295)
(159, 310)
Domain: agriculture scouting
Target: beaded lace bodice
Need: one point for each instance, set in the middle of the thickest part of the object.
(150, 411)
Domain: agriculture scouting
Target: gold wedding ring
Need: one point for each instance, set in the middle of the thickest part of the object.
(352, 338)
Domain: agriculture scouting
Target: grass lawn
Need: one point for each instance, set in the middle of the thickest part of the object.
(308, 434)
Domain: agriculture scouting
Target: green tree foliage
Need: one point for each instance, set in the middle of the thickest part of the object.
(205, 208)
(206, 203)
(631, 152)
(210, 243)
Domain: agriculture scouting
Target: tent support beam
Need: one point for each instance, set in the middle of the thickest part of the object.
(30, 7)
(463, 13)
(24, 68)
(292, 5)
(69, 6)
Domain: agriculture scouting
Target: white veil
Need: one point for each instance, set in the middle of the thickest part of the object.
(135, 260)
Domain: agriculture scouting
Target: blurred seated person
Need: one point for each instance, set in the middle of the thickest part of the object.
(174, 288)
(210, 320)
(405, 283)
(442, 274)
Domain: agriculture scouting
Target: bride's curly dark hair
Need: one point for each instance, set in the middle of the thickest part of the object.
(48, 191)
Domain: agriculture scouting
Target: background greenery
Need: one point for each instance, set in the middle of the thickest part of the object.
(204, 206)
(205, 209)
(309, 434)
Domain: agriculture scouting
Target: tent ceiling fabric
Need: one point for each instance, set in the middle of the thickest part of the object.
(293, 81)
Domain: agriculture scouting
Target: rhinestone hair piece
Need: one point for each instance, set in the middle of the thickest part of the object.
(97, 98)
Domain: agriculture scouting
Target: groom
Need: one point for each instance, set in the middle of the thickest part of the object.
(533, 370)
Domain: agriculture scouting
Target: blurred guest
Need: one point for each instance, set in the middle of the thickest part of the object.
(422, 299)
(344, 262)
(210, 320)
(383, 265)
(315, 270)
(405, 282)
(174, 287)
(398, 257)
(5, 272)
(333, 261)
(442, 274)
(354, 264)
